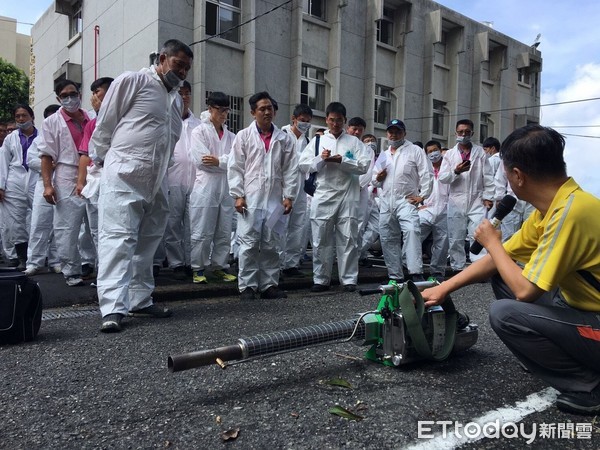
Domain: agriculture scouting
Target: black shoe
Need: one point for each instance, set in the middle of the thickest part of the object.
(111, 323)
(462, 320)
(247, 294)
(87, 271)
(179, 273)
(319, 288)
(154, 311)
(417, 277)
(586, 403)
(349, 288)
(13, 262)
(365, 262)
(273, 293)
(189, 272)
(155, 270)
(292, 272)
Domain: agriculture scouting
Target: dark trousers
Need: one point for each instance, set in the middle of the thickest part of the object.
(557, 343)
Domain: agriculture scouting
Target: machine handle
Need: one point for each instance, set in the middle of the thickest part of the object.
(391, 288)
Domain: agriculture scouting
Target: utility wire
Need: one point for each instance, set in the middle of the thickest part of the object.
(242, 24)
(580, 135)
(16, 21)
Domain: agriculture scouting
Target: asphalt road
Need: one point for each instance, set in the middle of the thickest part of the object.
(78, 388)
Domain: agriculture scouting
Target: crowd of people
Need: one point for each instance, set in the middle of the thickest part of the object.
(139, 180)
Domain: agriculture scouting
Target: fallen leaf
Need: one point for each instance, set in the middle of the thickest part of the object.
(230, 434)
(218, 419)
(295, 415)
(343, 412)
(339, 382)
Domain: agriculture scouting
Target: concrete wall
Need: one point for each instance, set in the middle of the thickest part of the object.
(15, 46)
(272, 49)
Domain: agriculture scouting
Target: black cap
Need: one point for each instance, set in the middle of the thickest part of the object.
(396, 123)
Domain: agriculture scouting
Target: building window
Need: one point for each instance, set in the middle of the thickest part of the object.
(75, 21)
(523, 76)
(385, 27)
(437, 126)
(440, 49)
(312, 87)
(315, 8)
(383, 104)
(235, 120)
(221, 16)
(484, 127)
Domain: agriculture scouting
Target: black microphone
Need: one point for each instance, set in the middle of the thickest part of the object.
(505, 206)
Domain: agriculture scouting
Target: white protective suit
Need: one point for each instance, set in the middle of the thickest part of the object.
(365, 201)
(371, 230)
(433, 217)
(41, 231)
(211, 206)
(294, 242)
(138, 125)
(70, 209)
(264, 179)
(18, 184)
(465, 200)
(408, 174)
(181, 177)
(513, 221)
(495, 162)
(334, 207)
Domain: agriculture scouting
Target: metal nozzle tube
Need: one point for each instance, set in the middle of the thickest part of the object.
(192, 360)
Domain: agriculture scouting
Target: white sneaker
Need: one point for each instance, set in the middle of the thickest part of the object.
(74, 281)
(32, 270)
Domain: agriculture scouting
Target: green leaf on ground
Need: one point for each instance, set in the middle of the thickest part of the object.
(339, 382)
(337, 410)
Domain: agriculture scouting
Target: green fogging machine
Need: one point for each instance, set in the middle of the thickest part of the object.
(398, 332)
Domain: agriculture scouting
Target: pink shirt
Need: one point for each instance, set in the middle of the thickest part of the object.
(75, 129)
(87, 136)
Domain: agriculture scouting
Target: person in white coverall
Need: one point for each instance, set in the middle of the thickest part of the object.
(294, 243)
(17, 183)
(62, 133)
(468, 172)
(41, 231)
(263, 179)
(339, 162)
(491, 146)
(211, 206)
(433, 215)
(137, 129)
(404, 177)
(513, 220)
(181, 177)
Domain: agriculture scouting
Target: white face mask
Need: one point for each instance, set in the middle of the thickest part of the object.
(463, 139)
(303, 127)
(373, 146)
(71, 104)
(435, 156)
(397, 144)
(25, 126)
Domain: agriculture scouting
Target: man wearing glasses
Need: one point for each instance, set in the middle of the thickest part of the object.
(62, 134)
(468, 172)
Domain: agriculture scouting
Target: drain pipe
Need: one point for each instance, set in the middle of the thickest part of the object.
(96, 34)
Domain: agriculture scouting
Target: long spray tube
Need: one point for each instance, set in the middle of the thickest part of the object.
(282, 341)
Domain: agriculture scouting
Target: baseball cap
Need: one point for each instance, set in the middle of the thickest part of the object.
(396, 123)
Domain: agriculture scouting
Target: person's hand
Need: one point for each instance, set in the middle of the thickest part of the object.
(414, 199)
(381, 175)
(434, 296)
(486, 234)
(287, 205)
(463, 166)
(210, 160)
(95, 101)
(240, 205)
(2, 195)
(334, 159)
(79, 188)
(50, 195)
(325, 154)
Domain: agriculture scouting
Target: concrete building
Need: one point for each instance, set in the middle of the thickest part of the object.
(15, 47)
(410, 59)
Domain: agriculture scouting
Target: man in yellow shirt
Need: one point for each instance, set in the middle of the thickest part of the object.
(548, 308)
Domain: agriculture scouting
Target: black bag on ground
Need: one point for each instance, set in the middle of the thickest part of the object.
(20, 307)
(310, 184)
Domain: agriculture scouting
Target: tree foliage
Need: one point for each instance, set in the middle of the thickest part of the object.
(14, 88)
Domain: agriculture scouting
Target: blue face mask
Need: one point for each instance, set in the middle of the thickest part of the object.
(397, 144)
(25, 126)
(435, 156)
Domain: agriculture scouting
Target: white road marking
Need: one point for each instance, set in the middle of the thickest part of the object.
(533, 403)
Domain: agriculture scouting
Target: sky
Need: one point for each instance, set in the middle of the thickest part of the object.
(570, 72)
